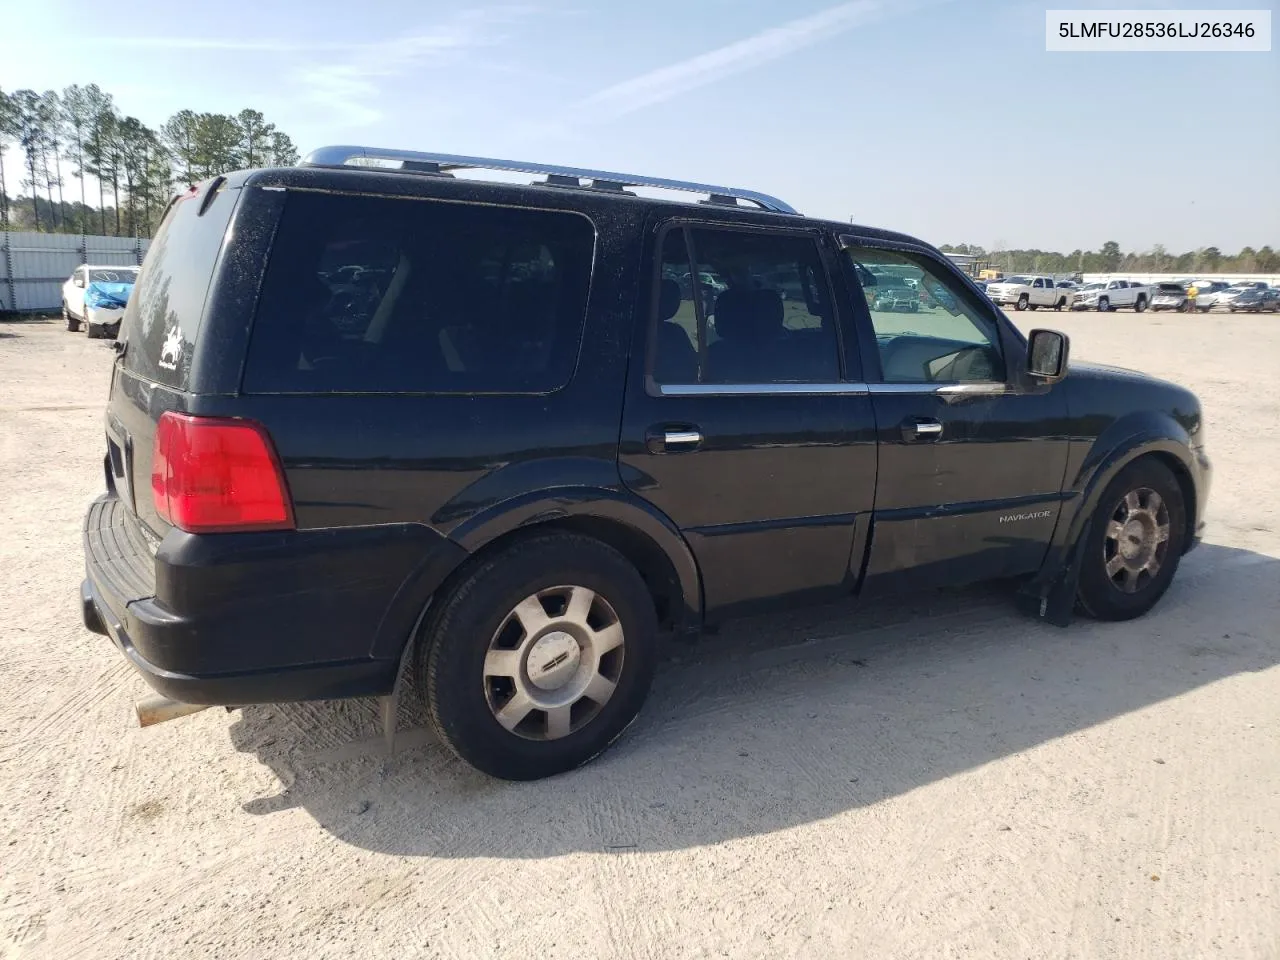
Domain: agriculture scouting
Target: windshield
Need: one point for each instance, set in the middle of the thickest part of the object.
(1026, 280)
(117, 275)
(1170, 288)
(1093, 286)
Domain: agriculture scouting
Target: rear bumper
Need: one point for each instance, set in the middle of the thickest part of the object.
(300, 682)
(259, 617)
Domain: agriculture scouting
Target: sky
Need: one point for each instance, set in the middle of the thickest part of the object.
(946, 119)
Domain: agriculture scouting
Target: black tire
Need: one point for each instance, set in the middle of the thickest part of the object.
(73, 325)
(1104, 304)
(451, 656)
(93, 331)
(1102, 596)
(1140, 305)
(1023, 302)
(1062, 302)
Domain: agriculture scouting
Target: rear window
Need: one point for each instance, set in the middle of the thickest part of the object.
(167, 305)
(374, 295)
(1170, 288)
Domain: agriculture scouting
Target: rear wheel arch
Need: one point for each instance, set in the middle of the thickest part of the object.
(644, 536)
(651, 561)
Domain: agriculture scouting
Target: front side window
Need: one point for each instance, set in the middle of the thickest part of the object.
(375, 295)
(736, 307)
(927, 331)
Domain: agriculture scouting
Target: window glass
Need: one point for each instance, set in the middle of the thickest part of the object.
(752, 308)
(166, 309)
(927, 328)
(372, 295)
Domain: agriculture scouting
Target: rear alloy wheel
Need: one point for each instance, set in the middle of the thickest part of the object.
(73, 325)
(1023, 302)
(1140, 305)
(1104, 304)
(540, 658)
(1135, 542)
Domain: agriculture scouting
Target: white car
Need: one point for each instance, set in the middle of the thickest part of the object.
(1030, 293)
(1209, 294)
(96, 296)
(1113, 294)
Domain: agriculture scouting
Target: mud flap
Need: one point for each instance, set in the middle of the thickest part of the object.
(1055, 600)
(389, 704)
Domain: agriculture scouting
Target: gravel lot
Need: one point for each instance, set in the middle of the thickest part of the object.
(935, 779)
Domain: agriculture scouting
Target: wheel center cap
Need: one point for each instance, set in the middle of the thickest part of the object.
(552, 660)
(1133, 539)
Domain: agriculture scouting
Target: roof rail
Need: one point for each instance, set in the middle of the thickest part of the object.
(338, 156)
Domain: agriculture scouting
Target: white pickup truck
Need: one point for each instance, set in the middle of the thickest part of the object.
(1112, 294)
(1029, 293)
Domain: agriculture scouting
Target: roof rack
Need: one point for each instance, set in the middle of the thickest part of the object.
(338, 156)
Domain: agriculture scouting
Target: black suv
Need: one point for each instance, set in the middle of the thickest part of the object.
(502, 435)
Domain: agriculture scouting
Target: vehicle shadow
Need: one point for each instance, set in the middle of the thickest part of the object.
(783, 720)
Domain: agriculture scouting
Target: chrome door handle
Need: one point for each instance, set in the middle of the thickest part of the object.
(681, 438)
(921, 430)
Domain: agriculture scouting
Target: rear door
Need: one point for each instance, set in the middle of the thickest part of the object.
(158, 336)
(745, 421)
(972, 459)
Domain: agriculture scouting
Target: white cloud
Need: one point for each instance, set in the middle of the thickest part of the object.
(665, 83)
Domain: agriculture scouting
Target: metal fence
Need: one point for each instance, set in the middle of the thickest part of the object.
(34, 266)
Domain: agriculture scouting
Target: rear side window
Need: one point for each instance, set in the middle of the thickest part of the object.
(167, 305)
(740, 307)
(374, 295)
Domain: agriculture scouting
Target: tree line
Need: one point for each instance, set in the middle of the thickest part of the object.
(1111, 259)
(80, 132)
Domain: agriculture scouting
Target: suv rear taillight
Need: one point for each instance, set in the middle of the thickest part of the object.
(214, 475)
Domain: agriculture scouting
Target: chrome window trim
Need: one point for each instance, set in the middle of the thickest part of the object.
(974, 388)
(762, 389)
(983, 388)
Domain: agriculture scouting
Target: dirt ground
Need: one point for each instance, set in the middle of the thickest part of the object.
(936, 778)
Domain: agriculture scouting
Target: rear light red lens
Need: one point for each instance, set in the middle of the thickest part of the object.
(217, 475)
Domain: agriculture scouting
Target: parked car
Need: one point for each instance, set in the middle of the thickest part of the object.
(1113, 294)
(1025, 292)
(1170, 296)
(95, 296)
(1208, 292)
(895, 294)
(532, 455)
(1254, 301)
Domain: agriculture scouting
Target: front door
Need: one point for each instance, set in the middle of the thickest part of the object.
(972, 458)
(745, 421)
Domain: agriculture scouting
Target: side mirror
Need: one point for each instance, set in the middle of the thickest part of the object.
(1047, 354)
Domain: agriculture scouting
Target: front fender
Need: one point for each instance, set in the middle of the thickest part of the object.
(1128, 438)
(1122, 442)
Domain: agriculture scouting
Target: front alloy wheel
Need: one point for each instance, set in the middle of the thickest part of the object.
(1136, 540)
